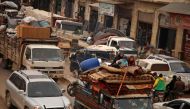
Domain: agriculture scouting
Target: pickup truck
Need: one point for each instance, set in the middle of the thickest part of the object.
(123, 44)
(39, 54)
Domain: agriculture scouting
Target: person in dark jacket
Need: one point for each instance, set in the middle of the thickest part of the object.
(118, 57)
(179, 87)
(170, 87)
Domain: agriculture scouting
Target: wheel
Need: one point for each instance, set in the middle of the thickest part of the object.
(8, 101)
(26, 107)
(71, 88)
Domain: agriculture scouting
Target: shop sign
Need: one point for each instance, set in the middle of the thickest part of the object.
(165, 20)
(107, 9)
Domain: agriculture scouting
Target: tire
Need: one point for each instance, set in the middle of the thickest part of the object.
(26, 107)
(8, 101)
(71, 89)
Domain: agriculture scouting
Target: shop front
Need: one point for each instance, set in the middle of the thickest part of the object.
(144, 28)
(124, 19)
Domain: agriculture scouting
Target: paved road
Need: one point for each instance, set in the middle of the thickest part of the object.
(4, 74)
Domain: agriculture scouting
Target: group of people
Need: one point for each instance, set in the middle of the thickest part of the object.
(122, 61)
(171, 90)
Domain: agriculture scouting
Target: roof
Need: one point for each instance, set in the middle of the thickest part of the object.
(153, 61)
(101, 48)
(179, 8)
(34, 75)
(121, 38)
(42, 46)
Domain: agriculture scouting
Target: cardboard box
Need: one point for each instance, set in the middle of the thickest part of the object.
(27, 31)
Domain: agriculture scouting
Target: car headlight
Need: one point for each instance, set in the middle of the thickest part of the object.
(37, 107)
(69, 106)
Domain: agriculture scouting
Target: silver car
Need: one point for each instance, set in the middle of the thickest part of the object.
(29, 89)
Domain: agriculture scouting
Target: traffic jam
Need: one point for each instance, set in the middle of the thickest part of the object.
(104, 69)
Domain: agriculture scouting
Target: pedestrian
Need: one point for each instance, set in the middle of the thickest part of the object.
(170, 87)
(179, 87)
(159, 84)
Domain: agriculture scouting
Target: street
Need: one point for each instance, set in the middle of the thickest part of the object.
(4, 74)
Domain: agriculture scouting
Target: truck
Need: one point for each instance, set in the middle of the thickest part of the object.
(125, 45)
(40, 54)
(105, 87)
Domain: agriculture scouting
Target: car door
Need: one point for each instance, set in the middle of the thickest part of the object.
(12, 88)
(21, 88)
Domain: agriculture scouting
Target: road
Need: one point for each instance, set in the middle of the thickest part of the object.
(4, 74)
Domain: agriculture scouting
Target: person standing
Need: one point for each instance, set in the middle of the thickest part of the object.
(179, 87)
(170, 87)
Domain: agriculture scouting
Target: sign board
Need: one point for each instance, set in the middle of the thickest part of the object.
(107, 9)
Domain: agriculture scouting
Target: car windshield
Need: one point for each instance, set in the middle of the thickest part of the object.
(74, 28)
(126, 44)
(179, 67)
(134, 103)
(104, 55)
(46, 54)
(43, 89)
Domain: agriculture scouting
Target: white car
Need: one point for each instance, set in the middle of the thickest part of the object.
(154, 65)
(176, 66)
(30, 89)
(174, 104)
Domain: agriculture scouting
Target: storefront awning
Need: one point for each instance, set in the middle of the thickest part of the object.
(179, 8)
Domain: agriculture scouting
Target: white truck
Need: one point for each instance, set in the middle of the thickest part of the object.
(39, 54)
(125, 45)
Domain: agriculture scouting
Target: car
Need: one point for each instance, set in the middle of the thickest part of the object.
(182, 103)
(176, 66)
(31, 89)
(154, 65)
(104, 53)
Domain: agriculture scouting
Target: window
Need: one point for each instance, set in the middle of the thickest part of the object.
(12, 78)
(114, 44)
(28, 53)
(174, 104)
(160, 67)
(186, 106)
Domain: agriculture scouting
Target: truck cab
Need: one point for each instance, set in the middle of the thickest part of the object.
(45, 58)
(69, 27)
(123, 44)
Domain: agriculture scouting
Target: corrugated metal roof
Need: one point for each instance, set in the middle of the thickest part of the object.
(180, 8)
(115, 2)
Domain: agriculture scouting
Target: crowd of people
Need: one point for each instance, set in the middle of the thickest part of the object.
(172, 90)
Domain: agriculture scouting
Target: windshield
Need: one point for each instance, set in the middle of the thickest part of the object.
(126, 44)
(180, 67)
(74, 29)
(46, 54)
(134, 103)
(43, 89)
(104, 55)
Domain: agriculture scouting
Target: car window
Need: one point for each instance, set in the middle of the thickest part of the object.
(114, 44)
(143, 64)
(186, 106)
(43, 89)
(12, 77)
(160, 67)
(174, 104)
(179, 67)
(19, 82)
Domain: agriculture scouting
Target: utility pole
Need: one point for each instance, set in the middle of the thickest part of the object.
(52, 11)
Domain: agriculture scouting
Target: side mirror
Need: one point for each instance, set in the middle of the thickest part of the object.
(63, 90)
